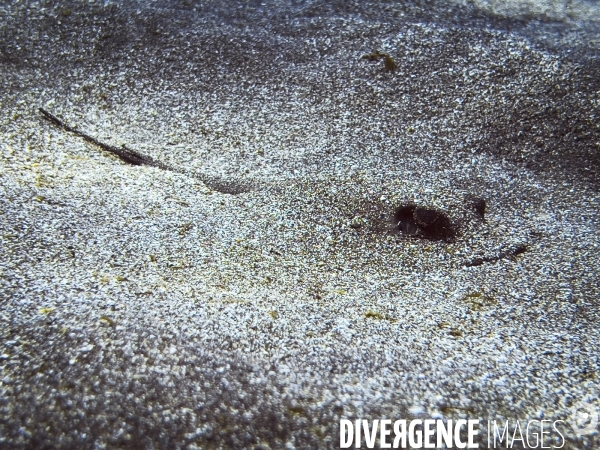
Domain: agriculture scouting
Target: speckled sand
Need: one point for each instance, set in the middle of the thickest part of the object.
(142, 308)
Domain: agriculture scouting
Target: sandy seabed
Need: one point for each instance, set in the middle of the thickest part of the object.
(263, 289)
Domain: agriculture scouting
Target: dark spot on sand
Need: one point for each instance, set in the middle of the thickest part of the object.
(480, 207)
(510, 253)
(428, 223)
(404, 219)
(231, 187)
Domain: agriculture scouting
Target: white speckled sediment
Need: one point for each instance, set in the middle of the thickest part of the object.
(145, 308)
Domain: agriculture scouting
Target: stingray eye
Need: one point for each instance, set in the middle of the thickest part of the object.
(404, 219)
(434, 224)
(428, 223)
(426, 217)
(408, 227)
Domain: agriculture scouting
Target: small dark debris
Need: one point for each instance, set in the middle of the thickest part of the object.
(374, 315)
(107, 320)
(479, 261)
(428, 223)
(183, 229)
(372, 56)
(390, 64)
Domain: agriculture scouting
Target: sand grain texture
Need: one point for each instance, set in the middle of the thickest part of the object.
(144, 308)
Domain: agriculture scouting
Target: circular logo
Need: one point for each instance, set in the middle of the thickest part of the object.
(584, 419)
